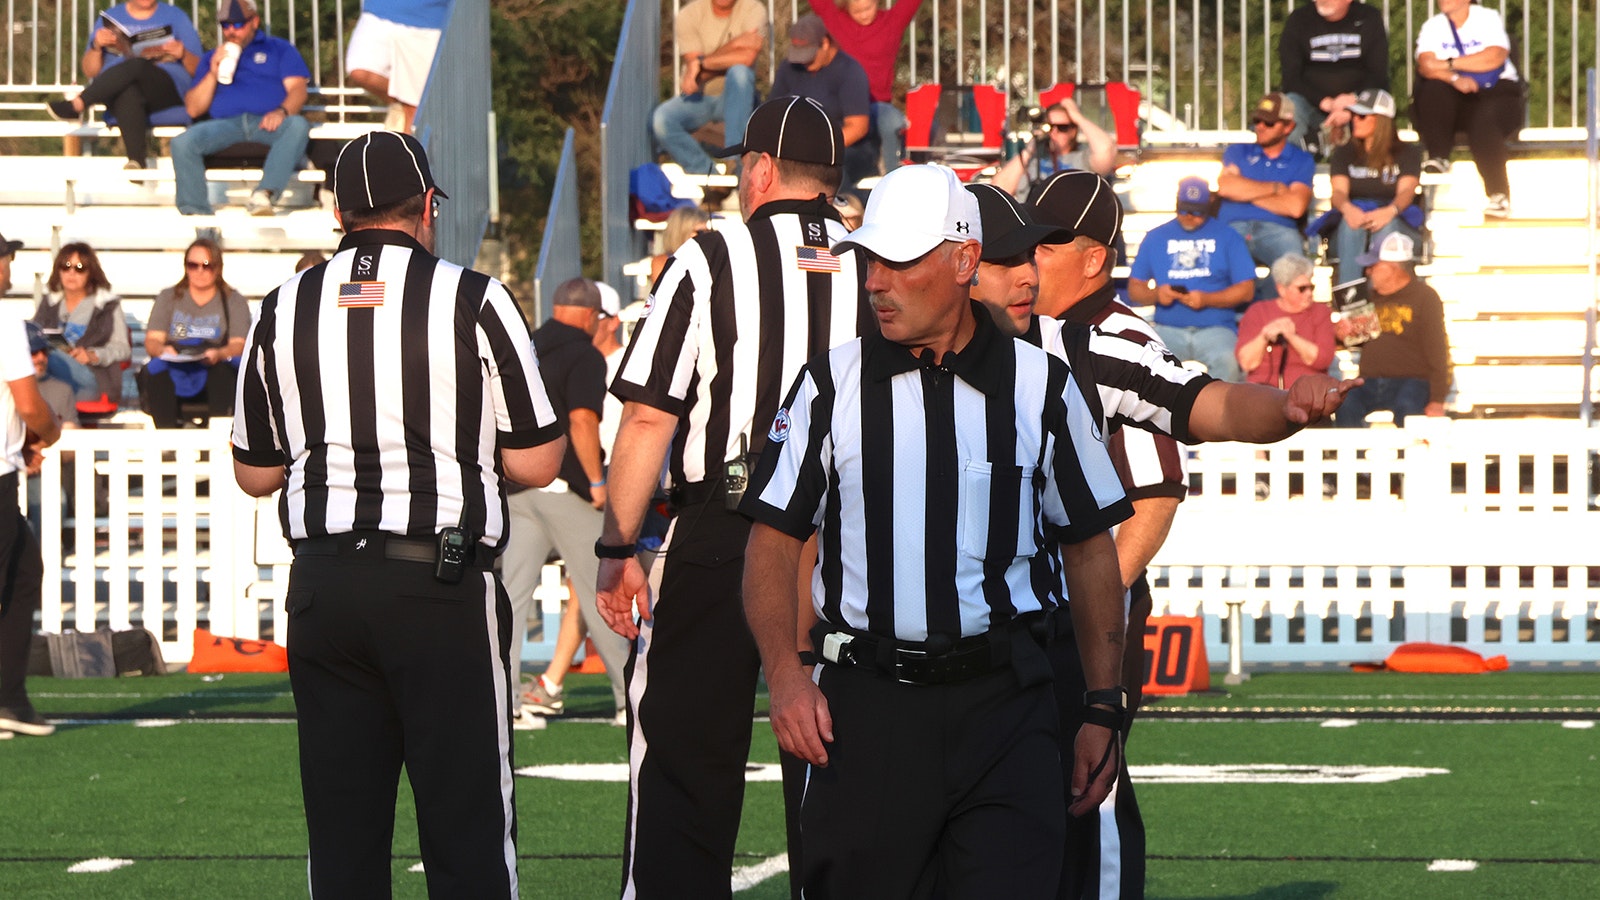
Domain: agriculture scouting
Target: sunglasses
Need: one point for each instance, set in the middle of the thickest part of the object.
(234, 26)
(195, 266)
(1303, 288)
(1263, 123)
(73, 267)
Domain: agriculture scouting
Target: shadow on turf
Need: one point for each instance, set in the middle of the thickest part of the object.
(192, 698)
(1297, 890)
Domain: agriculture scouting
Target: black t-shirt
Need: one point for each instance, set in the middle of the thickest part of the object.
(574, 374)
(1322, 59)
(1367, 183)
(840, 86)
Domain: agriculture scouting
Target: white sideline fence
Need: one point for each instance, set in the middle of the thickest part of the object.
(1339, 544)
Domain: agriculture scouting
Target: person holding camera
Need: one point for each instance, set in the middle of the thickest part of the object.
(384, 392)
(1063, 138)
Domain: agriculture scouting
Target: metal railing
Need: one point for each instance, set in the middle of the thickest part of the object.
(559, 257)
(453, 123)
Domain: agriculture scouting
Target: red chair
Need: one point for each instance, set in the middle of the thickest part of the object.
(1122, 101)
(962, 128)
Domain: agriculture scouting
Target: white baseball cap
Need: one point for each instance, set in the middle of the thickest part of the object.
(1396, 248)
(913, 210)
(610, 300)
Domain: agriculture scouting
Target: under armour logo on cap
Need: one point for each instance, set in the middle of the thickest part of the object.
(912, 210)
(380, 168)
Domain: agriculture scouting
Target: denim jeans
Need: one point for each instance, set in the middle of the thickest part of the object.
(674, 122)
(1401, 396)
(1212, 347)
(287, 143)
(1307, 120)
(889, 122)
(1267, 242)
(1352, 242)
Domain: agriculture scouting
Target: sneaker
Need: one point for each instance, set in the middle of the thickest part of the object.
(260, 203)
(63, 111)
(1499, 207)
(1436, 166)
(25, 721)
(540, 700)
(621, 721)
(525, 719)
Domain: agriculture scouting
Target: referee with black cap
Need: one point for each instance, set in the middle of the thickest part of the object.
(385, 392)
(731, 320)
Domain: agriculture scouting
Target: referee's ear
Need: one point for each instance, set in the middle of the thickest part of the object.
(968, 255)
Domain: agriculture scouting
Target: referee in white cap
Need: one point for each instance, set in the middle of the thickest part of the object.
(384, 392)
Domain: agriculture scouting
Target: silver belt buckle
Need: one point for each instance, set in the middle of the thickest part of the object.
(836, 648)
(900, 658)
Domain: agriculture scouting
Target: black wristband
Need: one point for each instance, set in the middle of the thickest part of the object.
(808, 658)
(1116, 698)
(602, 550)
(1105, 718)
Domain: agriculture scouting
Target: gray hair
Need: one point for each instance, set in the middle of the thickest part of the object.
(1288, 267)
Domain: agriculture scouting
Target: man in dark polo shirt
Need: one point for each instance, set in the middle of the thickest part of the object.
(815, 67)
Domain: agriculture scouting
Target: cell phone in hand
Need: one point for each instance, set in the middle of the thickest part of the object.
(1178, 289)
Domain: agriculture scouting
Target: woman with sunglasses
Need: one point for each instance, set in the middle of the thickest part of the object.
(194, 337)
(88, 316)
(1374, 178)
(1285, 337)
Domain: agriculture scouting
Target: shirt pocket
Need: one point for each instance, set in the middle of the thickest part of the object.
(996, 495)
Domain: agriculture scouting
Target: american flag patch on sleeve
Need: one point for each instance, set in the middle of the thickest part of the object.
(815, 259)
(361, 293)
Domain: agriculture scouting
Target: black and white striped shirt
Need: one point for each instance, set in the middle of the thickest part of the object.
(734, 316)
(934, 488)
(384, 380)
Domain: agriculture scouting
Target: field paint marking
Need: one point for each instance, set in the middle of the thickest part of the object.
(415, 868)
(1264, 773)
(154, 723)
(1579, 725)
(99, 864)
(1453, 865)
(749, 876)
(1340, 723)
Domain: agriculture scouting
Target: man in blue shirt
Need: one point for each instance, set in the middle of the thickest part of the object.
(260, 101)
(1266, 186)
(815, 67)
(1198, 273)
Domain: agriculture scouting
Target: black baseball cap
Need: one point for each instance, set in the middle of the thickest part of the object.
(10, 247)
(795, 128)
(1008, 230)
(380, 168)
(36, 340)
(1080, 202)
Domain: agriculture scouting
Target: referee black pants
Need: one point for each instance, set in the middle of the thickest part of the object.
(691, 695)
(21, 577)
(391, 667)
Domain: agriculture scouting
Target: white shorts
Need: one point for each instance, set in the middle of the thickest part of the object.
(400, 53)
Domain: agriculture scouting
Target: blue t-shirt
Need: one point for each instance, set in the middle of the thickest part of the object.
(258, 82)
(1209, 258)
(1292, 166)
(165, 14)
(416, 13)
(840, 86)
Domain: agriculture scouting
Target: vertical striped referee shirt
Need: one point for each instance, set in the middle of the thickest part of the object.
(384, 380)
(934, 488)
(734, 316)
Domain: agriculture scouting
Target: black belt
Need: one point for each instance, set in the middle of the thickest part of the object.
(390, 546)
(925, 662)
(694, 493)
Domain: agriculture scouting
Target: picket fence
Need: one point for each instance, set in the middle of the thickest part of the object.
(1338, 545)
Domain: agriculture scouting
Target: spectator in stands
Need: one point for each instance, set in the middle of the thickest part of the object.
(815, 67)
(194, 337)
(1375, 178)
(134, 87)
(1266, 186)
(88, 316)
(1288, 336)
(261, 102)
(57, 394)
(1407, 366)
(872, 37)
(682, 225)
(308, 259)
(1197, 272)
(719, 41)
(850, 209)
(1466, 82)
(1330, 51)
(1072, 140)
(8, 251)
(391, 52)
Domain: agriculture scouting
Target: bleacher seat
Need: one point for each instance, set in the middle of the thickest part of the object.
(962, 127)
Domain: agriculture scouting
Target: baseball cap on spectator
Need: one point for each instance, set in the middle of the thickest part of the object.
(1194, 196)
(1273, 108)
(1008, 230)
(793, 128)
(235, 12)
(610, 300)
(8, 248)
(1396, 248)
(579, 292)
(913, 210)
(1373, 102)
(37, 343)
(380, 168)
(1081, 203)
(805, 39)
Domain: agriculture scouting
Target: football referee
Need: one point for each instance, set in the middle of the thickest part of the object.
(732, 319)
(385, 391)
(934, 461)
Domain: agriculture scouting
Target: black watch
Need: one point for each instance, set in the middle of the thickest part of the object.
(603, 550)
(1115, 697)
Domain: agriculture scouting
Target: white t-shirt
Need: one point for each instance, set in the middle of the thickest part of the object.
(15, 363)
(1483, 28)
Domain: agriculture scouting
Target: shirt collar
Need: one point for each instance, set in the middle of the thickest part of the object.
(366, 237)
(1084, 311)
(816, 206)
(980, 363)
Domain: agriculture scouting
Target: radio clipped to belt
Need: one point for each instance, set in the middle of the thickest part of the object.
(736, 475)
(455, 546)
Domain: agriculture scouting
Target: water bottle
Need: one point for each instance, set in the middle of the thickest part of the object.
(230, 62)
